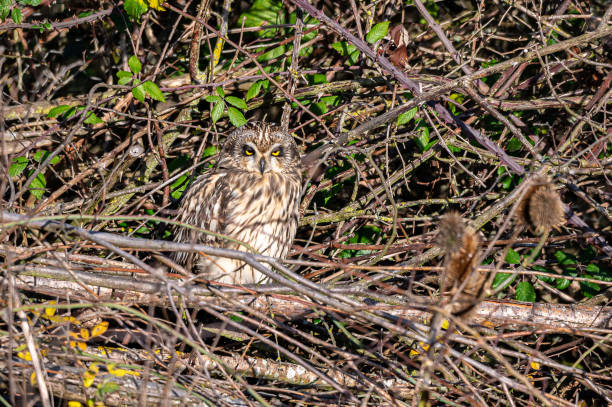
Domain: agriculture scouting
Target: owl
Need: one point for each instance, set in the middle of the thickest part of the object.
(250, 202)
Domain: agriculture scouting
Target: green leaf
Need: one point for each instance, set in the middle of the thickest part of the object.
(37, 187)
(209, 151)
(423, 140)
(333, 100)
(344, 254)
(234, 101)
(273, 53)
(377, 32)
(220, 92)
(546, 279)
(33, 3)
(429, 145)
(353, 58)
(236, 117)
(122, 74)
(487, 64)
(153, 91)
(134, 64)
(38, 156)
(135, 8)
(143, 230)
(406, 116)
(513, 257)
(5, 8)
(42, 155)
(217, 111)
(564, 258)
(178, 187)
(212, 98)
(506, 182)
(92, 119)
(108, 387)
(318, 108)
(124, 80)
(124, 77)
(18, 165)
(457, 97)
(16, 15)
(58, 111)
(503, 279)
(562, 283)
(525, 292)
(513, 145)
(316, 79)
(592, 268)
(139, 93)
(344, 48)
(42, 27)
(72, 111)
(263, 12)
(589, 288)
(253, 90)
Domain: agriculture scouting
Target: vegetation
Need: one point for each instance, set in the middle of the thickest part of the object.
(453, 245)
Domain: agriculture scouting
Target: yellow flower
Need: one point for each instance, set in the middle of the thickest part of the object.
(88, 378)
(119, 372)
(81, 345)
(99, 329)
(155, 5)
(84, 333)
(25, 355)
(51, 310)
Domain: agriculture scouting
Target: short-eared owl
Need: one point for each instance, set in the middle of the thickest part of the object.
(251, 197)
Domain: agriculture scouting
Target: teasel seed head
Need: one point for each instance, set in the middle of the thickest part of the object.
(541, 208)
(451, 230)
(462, 280)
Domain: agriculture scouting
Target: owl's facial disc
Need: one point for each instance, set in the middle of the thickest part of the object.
(276, 156)
(253, 160)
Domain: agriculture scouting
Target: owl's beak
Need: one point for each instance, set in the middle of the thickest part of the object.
(262, 165)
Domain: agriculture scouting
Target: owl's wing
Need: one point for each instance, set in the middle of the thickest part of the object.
(205, 206)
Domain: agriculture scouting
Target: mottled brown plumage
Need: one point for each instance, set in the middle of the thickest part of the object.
(251, 197)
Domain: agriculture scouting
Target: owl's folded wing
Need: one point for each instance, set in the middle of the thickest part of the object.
(204, 206)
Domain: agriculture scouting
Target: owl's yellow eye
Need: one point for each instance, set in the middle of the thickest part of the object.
(276, 152)
(248, 150)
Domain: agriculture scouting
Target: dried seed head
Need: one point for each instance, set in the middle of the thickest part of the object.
(450, 232)
(462, 281)
(462, 263)
(541, 208)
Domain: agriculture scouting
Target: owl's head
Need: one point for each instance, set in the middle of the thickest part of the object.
(260, 148)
